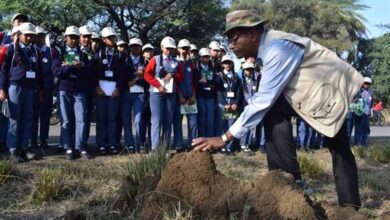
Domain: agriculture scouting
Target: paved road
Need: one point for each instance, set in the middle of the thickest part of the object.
(377, 132)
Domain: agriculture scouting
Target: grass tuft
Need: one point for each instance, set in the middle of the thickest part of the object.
(310, 168)
(5, 171)
(376, 153)
(48, 186)
(176, 212)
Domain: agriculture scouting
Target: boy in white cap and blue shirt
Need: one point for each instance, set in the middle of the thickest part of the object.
(21, 83)
(111, 79)
(74, 69)
(186, 96)
(163, 73)
(43, 112)
(133, 98)
(86, 49)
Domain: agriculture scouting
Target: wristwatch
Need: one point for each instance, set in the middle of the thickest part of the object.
(224, 138)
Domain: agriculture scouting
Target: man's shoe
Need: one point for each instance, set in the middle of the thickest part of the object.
(84, 154)
(246, 150)
(70, 155)
(33, 144)
(180, 149)
(130, 149)
(16, 157)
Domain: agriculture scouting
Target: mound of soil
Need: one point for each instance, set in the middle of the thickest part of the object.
(192, 178)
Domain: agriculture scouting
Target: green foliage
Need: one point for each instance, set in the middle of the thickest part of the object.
(333, 23)
(48, 186)
(5, 170)
(373, 183)
(310, 168)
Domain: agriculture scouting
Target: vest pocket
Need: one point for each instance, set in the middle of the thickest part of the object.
(323, 102)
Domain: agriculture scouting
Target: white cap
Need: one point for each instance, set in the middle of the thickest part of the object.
(367, 80)
(85, 30)
(121, 42)
(19, 15)
(40, 30)
(95, 35)
(227, 58)
(184, 43)
(72, 30)
(222, 47)
(168, 42)
(204, 52)
(214, 45)
(108, 31)
(27, 28)
(193, 47)
(14, 30)
(248, 66)
(135, 41)
(147, 46)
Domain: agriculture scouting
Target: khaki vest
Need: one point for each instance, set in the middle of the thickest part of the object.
(323, 86)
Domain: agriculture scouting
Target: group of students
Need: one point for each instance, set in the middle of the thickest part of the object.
(122, 82)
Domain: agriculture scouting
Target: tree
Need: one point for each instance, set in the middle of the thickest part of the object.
(335, 24)
(379, 57)
(198, 20)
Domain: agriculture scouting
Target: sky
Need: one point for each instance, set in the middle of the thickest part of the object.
(378, 13)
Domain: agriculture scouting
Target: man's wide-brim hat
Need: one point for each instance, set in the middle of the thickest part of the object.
(243, 19)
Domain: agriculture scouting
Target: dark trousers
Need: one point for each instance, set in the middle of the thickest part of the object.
(281, 153)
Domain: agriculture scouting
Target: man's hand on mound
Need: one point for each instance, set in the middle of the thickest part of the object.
(204, 144)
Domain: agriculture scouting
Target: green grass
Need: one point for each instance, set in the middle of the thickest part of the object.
(373, 183)
(379, 152)
(140, 170)
(310, 168)
(48, 186)
(5, 171)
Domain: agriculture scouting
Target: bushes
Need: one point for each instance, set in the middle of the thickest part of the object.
(48, 186)
(310, 168)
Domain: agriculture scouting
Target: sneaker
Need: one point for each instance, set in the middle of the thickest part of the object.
(17, 157)
(60, 149)
(143, 150)
(84, 154)
(246, 150)
(307, 190)
(30, 154)
(130, 149)
(70, 155)
(113, 150)
(102, 151)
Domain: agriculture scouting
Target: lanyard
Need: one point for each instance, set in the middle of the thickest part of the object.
(110, 60)
(27, 56)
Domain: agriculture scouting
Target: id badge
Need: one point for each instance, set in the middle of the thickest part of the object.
(108, 73)
(230, 94)
(30, 74)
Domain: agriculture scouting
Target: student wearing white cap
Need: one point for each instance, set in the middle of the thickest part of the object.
(74, 70)
(215, 49)
(186, 96)
(133, 98)
(223, 51)
(122, 46)
(20, 83)
(147, 54)
(163, 73)
(6, 36)
(229, 98)
(112, 77)
(86, 49)
(250, 85)
(42, 116)
(206, 92)
(194, 54)
(95, 42)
